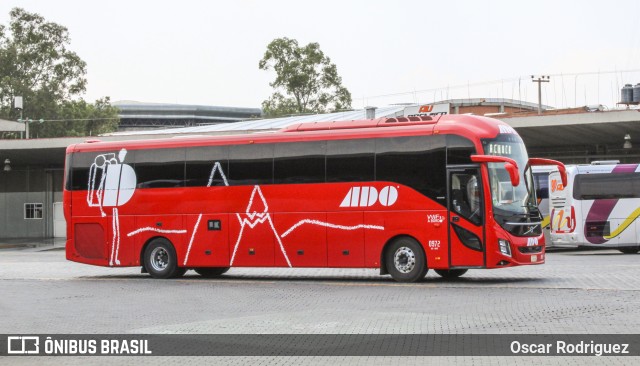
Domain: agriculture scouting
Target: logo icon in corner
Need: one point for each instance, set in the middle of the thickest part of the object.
(425, 109)
(368, 196)
(23, 345)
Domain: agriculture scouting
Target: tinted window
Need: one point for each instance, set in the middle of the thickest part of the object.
(160, 168)
(207, 166)
(350, 161)
(417, 162)
(301, 162)
(79, 171)
(541, 182)
(88, 168)
(603, 186)
(466, 197)
(459, 150)
(250, 164)
(67, 171)
(468, 239)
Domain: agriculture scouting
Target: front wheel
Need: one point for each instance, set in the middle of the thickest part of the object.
(160, 259)
(211, 272)
(629, 250)
(451, 273)
(406, 261)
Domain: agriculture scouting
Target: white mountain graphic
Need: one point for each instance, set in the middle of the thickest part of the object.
(257, 213)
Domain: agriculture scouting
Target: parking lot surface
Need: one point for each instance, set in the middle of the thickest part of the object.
(582, 292)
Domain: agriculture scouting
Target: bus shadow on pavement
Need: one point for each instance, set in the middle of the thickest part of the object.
(346, 279)
(342, 279)
(588, 251)
(601, 253)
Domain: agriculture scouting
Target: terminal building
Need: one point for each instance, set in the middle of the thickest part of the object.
(32, 173)
(144, 116)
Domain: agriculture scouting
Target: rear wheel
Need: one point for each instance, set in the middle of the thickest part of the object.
(451, 273)
(406, 261)
(160, 259)
(210, 272)
(629, 250)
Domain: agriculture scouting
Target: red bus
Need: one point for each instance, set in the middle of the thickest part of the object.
(403, 195)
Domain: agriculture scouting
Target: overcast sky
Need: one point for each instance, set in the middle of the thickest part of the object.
(207, 52)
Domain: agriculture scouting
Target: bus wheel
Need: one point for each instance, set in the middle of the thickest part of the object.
(406, 261)
(629, 250)
(160, 259)
(451, 273)
(210, 272)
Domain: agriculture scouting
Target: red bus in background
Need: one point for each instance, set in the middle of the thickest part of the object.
(404, 195)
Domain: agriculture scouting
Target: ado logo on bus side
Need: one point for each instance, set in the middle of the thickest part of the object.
(368, 196)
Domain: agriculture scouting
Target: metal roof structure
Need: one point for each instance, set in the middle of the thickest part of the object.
(268, 124)
(136, 114)
(494, 102)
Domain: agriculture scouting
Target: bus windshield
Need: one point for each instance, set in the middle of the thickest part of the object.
(512, 204)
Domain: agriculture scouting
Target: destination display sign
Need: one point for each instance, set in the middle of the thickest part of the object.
(502, 149)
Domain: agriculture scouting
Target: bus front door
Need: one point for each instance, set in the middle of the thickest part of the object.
(466, 218)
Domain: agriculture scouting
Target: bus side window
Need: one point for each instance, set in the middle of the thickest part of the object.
(250, 164)
(299, 162)
(418, 162)
(207, 166)
(541, 185)
(350, 162)
(159, 168)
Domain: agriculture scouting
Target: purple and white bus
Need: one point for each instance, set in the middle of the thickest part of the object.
(599, 207)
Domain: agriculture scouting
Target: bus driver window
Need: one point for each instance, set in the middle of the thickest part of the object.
(465, 197)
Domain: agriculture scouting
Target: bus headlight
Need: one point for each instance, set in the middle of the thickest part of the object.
(505, 247)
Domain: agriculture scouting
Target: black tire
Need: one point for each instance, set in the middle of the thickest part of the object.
(160, 259)
(629, 250)
(405, 260)
(451, 273)
(211, 272)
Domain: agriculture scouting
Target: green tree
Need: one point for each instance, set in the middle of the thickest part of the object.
(36, 63)
(306, 80)
(79, 118)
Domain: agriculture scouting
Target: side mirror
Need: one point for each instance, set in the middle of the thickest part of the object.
(509, 164)
(561, 168)
(513, 173)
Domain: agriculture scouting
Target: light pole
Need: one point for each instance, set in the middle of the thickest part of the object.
(540, 80)
(26, 122)
(17, 104)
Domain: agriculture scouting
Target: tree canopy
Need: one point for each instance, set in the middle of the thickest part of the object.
(306, 80)
(36, 63)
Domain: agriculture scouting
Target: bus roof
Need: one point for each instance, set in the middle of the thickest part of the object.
(468, 126)
(600, 169)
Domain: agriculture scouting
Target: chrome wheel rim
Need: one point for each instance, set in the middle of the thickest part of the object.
(159, 259)
(404, 260)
